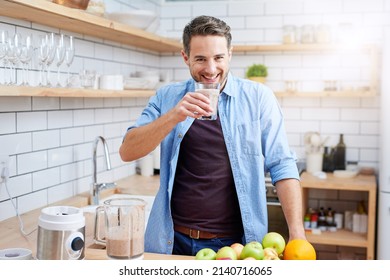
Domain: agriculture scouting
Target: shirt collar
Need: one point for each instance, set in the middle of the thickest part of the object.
(230, 88)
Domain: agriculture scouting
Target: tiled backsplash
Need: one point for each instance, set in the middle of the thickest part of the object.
(49, 140)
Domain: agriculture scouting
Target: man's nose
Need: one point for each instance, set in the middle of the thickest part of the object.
(211, 67)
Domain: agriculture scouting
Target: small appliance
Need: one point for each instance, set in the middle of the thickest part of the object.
(61, 234)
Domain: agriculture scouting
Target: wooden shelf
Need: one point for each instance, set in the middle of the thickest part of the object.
(339, 238)
(71, 92)
(326, 94)
(80, 92)
(79, 21)
(364, 183)
(357, 183)
(302, 48)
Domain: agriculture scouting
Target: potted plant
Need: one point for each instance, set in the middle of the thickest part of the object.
(257, 72)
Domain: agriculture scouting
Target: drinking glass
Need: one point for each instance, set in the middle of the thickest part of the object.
(3, 52)
(43, 53)
(211, 91)
(69, 56)
(60, 55)
(13, 55)
(25, 58)
(51, 45)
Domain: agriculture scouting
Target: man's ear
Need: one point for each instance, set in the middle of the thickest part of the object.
(185, 57)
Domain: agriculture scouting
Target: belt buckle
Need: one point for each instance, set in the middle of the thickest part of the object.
(197, 234)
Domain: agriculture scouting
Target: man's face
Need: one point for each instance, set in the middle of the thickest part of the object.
(209, 59)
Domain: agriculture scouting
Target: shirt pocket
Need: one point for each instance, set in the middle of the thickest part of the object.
(250, 138)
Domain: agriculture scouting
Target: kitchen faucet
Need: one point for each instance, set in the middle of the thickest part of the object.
(97, 187)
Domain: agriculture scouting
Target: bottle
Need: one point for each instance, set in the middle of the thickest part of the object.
(329, 216)
(314, 220)
(327, 161)
(322, 225)
(306, 221)
(339, 154)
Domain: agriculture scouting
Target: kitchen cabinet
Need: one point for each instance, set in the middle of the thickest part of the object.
(79, 21)
(342, 237)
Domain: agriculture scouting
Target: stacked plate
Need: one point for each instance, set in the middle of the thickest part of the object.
(137, 83)
(143, 80)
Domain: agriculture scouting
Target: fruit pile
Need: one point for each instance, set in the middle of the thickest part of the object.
(272, 247)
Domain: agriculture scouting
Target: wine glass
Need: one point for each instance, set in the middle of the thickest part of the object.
(13, 55)
(51, 45)
(43, 53)
(60, 56)
(26, 54)
(69, 56)
(3, 52)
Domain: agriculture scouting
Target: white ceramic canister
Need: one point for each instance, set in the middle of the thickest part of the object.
(146, 165)
(111, 82)
(314, 162)
(339, 218)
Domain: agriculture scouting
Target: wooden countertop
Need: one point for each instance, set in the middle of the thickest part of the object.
(11, 237)
(356, 183)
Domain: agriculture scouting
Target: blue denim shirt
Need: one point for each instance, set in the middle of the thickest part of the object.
(253, 128)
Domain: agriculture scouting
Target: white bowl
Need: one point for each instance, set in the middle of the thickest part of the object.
(137, 18)
(345, 173)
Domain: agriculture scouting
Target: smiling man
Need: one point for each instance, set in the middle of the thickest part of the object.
(212, 187)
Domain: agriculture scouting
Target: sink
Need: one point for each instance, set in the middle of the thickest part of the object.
(149, 199)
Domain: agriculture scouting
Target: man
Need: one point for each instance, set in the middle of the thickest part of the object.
(212, 191)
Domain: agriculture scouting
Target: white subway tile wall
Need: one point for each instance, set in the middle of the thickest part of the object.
(49, 140)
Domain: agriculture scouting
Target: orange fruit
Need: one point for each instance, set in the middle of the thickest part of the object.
(299, 249)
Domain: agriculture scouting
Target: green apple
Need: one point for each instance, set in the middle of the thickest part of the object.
(237, 247)
(226, 253)
(274, 240)
(249, 259)
(252, 249)
(206, 254)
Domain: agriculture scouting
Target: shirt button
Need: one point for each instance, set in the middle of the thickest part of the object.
(180, 135)
(169, 242)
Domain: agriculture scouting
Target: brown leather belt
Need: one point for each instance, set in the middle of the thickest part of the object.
(200, 234)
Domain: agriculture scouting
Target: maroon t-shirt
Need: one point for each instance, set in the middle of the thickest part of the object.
(204, 196)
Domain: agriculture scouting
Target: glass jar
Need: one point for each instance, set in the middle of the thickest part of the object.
(307, 34)
(289, 34)
(291, 86)
(323, 34)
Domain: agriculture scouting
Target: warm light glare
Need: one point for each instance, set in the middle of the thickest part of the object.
(349, 35)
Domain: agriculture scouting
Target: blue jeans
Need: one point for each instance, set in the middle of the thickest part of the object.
(185, 245)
